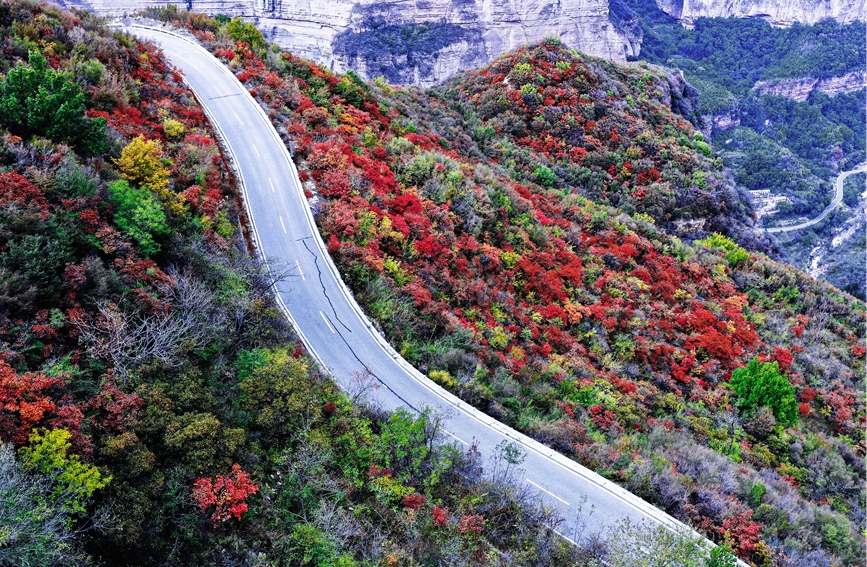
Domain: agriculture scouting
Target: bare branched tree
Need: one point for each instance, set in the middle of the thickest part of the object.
(129, 340)
(338, 524)
(305, 470)
(362, 383)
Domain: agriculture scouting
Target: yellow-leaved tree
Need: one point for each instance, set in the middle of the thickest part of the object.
(275, 388)
(141, 163)
(74, 481)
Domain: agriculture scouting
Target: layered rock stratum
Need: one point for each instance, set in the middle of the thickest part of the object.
(777, 12)
(414, 41)
(800, 89)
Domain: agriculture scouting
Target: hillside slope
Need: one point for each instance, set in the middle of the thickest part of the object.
(465, 221)
(155, 408)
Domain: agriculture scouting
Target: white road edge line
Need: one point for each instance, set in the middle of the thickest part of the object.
(271, 183)
(450, 434)
(569, 539)
(283, 225)
(547, 492)
(300, 271)
(330, 328)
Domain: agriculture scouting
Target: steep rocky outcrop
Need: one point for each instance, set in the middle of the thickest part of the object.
(777, 12)
(800, 89)
(416, 41)
(681, 97)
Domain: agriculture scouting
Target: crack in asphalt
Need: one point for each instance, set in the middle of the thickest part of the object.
(372, 373)
(322, 283)
(342, 338)
(224, 96)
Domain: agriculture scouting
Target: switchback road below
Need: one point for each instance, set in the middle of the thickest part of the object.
(838, 198)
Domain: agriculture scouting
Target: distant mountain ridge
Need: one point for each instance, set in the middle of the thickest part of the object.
(415, 41)
(424, 42)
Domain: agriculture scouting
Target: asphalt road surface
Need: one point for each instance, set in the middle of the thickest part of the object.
(838, 198)
(329, 320)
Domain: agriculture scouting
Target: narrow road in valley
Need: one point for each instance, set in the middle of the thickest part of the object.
(838, 198)
(328, 319)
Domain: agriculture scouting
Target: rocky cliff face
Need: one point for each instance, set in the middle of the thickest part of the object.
(416, 41)
(681, 97)
(800, 89)
(777, 12)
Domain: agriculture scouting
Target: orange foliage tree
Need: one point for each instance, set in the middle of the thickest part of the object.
(25, 400)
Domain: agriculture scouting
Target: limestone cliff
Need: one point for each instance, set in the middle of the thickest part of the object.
(777, 12)
(415, 41)
(800, 89)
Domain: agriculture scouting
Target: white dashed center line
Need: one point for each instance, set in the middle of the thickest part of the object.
(330, 328)
(189, 63)
(283, 225)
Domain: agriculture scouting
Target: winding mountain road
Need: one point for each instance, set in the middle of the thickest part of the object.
(838, 198)
(328, 319)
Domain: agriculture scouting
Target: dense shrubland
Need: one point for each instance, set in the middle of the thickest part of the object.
(154, 405)
(474, 223)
